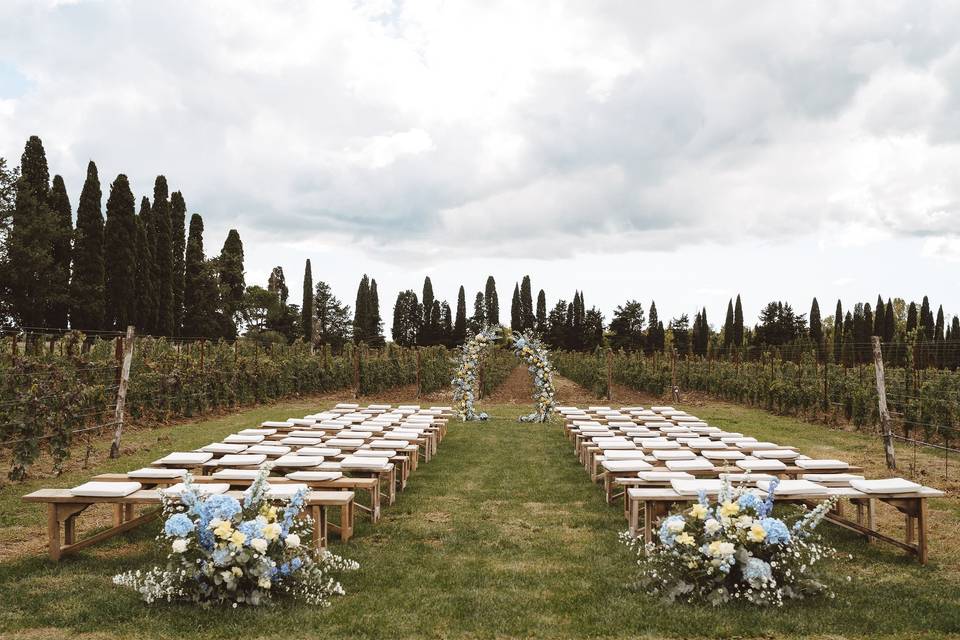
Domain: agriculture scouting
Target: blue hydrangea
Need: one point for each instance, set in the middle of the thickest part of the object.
(252, 529)
(222, 507)
(750, 501)
(756, 570)
(221, 557)
(295, 564)
(178, 525)
(777, 532)
(667, 537)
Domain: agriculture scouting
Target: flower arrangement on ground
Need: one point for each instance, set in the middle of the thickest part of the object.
(734, 549)
(224, 551)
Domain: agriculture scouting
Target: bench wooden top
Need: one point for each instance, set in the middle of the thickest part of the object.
(152, 496)
(667, 494)
(345, 482)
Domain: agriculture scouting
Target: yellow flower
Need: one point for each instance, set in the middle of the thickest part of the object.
(685, 538)
(223, 530)
(238, 538)
(269, 512)
(729, 509)
(271, 531)
(757, 533)
(237, 571)
(699, 511)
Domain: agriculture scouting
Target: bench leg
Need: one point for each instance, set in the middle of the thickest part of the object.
(319, 526)
(53, 532)
(922, 531)
(346, 522)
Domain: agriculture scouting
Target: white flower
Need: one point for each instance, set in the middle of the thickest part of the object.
(293, 541)
(260, 545)
(180, 545)
(263, 582)
(676, 525)
(711, 526)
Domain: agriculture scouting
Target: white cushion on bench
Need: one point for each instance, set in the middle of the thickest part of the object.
(693, 487)
(314, 476)
(223, 447)
(185, 457)
(697, 464)
(753, 464)
(235, 474)
(776, 454)
(293, 460)
(284, 491)
(746, 477)
(105, 489)
(887, 485)
(257, 432)
(239, 439)
(202, 488)
(659, 446)
(153, 472)
(318, 451)
(678, 454)
(268, 449)
(724, 455)
(369, 464)
(302, 441)
(664, 476)
(816, 465)
(624, 466)
(832, 479)
(273, 424)
(793, 487)
(375, 453)
(241, 460)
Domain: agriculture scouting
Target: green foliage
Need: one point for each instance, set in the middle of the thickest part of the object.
(120, 237)
(162, 257)
(178, 219)
(231, 280)
(87, 284)
(146, 292)
(306, 309)
(58, 290)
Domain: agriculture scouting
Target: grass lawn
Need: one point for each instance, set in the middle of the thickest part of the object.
(501, 535)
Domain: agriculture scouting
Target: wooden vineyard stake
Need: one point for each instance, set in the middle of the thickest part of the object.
(122, 391)
(882, 401)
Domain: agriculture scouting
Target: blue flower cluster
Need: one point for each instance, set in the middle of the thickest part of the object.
(777, 531)
(756, 570)
(178, 525)
(750, 501)
(667, 537)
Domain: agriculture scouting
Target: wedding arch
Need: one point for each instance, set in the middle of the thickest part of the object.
(528, 348)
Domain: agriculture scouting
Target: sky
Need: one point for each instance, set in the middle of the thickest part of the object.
(680, 152)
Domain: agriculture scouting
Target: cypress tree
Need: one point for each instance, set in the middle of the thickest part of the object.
(406, 319)
(479, 319)
(911, 317)
(361, 312)
(650, 344)
(178, 219)
(849, 355)
(58, 307)
(428, 330)
(816, 328)
(163, 256)
(528, 320)
(30, 262)
(938, 338)
(541, 312)
(728, 327)
(926, 319)
(516, 310)
(838, 333)
(200, 299)
(889, 322)
(120, 237)
(306, 309)
(146, 293)
(738, 324)
(492, 309)
(437, 314)
(879, 318)
(232, 280)
(446, 324)
(87, 284)
(375, 322)
(460, 325)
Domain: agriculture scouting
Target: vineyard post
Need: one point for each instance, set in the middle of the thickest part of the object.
(882, 401)
(418, 372)
(122, 391)
(609, 375)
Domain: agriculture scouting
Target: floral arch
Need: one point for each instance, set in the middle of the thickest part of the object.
(528, 348)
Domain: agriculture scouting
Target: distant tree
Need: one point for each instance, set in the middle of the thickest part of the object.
(120, 237)
(87, 286)
(838, 334)
(146, 292)
(728, 327)
(9, 177)
(701, 334)
(926, 319)
(58, 305)
(460, 324)
(626, 327)
(556, 334)
(516, 310)
(680, 329)
(446, 324)
(429, 326)
(848, 356)
(277, 283)
(528, 319)
(306, 309)
(232, 278)
(779, 325)
(163, 257)
(816, 328)
(284, 318)
(889, 322)
(333, 318)
(201, 294)
(259, 305)
(592, 329)
(492, 310)
(939, 338)
(879, 317)
(541, 325)
(178, 246)
(738, 324)
(30, 266)
(655, 332)
(479, 318)
(374, 321)
(361, 311)
(406, 319)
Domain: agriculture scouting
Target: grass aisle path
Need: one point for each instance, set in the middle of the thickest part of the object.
(501, 535)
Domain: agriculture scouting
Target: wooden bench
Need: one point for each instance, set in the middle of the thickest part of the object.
(63, 508)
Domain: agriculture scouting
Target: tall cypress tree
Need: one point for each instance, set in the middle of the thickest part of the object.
(30, 263)
(200, 295)
(491, 302)
(926, 319)
(838, 333)
(541, 312)
(516, 310)
(428, 331)
(651, 343)
(738, 323)
(87, 284)
(374, 321)
(361, 312)
(178, 243)
(232, 281)
(878, 318)
(911, 317)
(889, 322)
(479, 318)
(58, 307)
(728, 327)
(446, 324)
(460, 325)
(306, 309)
(163, 257)
(816, 328)
(120, 238)
(526, 299)
(146, 292)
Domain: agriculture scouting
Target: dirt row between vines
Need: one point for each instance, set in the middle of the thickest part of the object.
(518, 389)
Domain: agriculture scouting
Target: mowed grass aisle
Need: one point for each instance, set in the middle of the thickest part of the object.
(501, 535)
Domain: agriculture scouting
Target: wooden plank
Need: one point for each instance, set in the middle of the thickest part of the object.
(889, 452)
